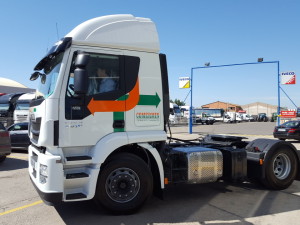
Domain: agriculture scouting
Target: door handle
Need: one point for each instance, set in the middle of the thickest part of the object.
(119, 124)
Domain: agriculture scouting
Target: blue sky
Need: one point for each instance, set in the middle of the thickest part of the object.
(191, 33)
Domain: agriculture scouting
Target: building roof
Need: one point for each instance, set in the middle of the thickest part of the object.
(258, 103)
(219, 102)
(10, 83)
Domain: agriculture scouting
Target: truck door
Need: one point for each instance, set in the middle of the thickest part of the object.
(87, 118)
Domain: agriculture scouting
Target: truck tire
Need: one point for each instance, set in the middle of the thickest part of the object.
(2, 158)
(124, 184)
(280, 169)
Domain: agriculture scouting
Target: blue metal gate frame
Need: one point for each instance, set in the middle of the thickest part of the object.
(239, 64)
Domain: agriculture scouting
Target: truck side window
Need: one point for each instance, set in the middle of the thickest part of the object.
(104, 74)
(104, 82)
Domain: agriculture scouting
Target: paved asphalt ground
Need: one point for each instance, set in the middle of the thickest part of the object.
(215, 203)
(246, 128)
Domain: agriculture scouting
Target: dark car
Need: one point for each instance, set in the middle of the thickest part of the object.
(5, 147)
(288, 130)
(19, 136)
(262, 117)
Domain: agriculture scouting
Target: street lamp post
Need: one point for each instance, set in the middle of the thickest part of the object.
(207, 65)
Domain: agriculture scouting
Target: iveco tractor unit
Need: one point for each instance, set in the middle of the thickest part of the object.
(98, 125)
(21, 113)
(7, 108)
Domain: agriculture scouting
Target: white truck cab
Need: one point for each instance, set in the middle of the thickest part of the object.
(232, 117)
(74, 129)
(21, 113)
(175, 114)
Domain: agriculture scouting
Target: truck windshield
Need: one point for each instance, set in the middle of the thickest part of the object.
(51, 71)
(4, 106)
(176, 109)
(22, 106)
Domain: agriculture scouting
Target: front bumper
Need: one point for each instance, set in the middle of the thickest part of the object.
(286, 136)
(49, 198)
(51, 190)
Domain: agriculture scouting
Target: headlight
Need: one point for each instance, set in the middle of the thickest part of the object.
(44, 170)
(43, 173)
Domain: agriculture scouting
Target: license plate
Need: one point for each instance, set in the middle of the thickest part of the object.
(281, 129)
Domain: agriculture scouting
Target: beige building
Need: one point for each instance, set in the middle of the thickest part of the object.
(259, 107)
(252, 109)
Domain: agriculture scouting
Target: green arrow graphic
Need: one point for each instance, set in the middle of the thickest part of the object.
(149, 100)
(145, 99)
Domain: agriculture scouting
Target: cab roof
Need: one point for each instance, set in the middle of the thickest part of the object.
(117, 31)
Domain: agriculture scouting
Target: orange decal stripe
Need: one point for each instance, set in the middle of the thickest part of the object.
(116, 105)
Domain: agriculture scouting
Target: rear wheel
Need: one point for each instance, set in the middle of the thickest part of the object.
(280, 169)
(124, 184)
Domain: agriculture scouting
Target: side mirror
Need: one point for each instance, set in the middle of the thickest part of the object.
(43, 78)
(34, 76)
(80, 73)
(82, 60)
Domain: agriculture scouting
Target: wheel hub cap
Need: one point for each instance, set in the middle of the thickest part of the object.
(122, 185)
(282, 166)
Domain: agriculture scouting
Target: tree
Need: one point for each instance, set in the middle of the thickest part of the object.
(178, 102)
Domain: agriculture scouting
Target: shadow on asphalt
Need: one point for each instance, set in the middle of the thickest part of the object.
(202, 203)
(13, 164)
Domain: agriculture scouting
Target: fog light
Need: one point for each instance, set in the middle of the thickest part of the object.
(43, 179)
(44, 170)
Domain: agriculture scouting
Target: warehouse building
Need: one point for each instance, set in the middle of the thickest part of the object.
(259, 107)
(252, 108)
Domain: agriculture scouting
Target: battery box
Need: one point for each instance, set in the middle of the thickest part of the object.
(196, 164)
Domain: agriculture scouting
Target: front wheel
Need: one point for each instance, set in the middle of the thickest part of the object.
(280, 169)
(124, 183)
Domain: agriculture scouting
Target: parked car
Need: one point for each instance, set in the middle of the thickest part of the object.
(19, 136)
(288, 130)
(262, 117)
(204, 118)
(5, 146)
(247, 117)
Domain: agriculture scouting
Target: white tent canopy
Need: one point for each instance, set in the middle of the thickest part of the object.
(11, 86)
